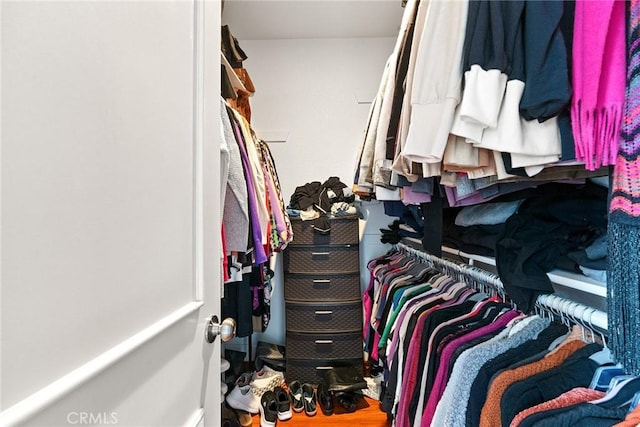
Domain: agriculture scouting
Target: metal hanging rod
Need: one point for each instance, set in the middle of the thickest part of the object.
(472, 275)
(573, 312)
(566, 309)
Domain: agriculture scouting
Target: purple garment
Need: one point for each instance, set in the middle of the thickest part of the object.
(367, 303)
(412, 197)
(410, 373)
(410, 370)
(441, 378)
(376, 335)
(259, 254)
(276, 211)
(407, 310)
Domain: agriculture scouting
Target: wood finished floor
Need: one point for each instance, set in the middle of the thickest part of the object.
(368, 414)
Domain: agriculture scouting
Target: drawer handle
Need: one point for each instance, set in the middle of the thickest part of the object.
(323, 312)
(321, 281)
(324, 341)
(324, 368)
(319, 253)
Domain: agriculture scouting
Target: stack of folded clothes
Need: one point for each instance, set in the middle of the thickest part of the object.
(592, 260)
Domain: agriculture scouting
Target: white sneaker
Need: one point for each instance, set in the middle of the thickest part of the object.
(266, 379)
(374, 387)
(243, 396)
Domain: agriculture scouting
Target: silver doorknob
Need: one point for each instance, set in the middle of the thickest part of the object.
(226, 329)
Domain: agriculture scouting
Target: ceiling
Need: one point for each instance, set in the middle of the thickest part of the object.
(295, 19)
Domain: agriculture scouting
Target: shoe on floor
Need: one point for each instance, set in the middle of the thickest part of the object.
(266, 379)
(295, 393)
(309, 399)
(268, 409)
(284, 404)
(348, 400)
(244, 418)
(325, 399)
(243, 396)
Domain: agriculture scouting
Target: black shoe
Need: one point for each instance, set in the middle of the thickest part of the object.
(284, 404)
(268, 409)
(347, 400)
(325, 399)
(295, 392)
(309, 399)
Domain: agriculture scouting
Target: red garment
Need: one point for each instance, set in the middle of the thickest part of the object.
(577, 395)
(225, 261)
(632, 419)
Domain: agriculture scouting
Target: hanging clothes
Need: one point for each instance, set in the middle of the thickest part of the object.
(482, 89)
(452, 355)
(254, 220)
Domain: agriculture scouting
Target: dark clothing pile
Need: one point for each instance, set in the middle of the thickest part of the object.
(318, 197)
(539, 237)
(478, 239)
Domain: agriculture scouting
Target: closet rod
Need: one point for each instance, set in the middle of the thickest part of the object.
(565, 308)
(575, 311)
(459, 271)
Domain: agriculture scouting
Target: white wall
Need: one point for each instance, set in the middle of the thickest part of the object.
(309, 89)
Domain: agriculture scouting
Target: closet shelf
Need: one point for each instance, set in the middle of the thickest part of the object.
(560, 277)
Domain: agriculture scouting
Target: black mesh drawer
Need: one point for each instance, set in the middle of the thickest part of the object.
(324, 346)
(312, 371)
(344, 231)
(322, 259)
(321, 287)
(323, 317)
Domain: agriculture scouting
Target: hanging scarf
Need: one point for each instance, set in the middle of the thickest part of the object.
(623, 281)
(598, 80)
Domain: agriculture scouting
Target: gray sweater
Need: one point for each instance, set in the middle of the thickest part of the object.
(452, 408)
(236, 205)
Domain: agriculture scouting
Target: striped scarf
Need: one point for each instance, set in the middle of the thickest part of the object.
(624, 218)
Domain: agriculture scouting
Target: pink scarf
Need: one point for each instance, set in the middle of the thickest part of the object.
(599, 67)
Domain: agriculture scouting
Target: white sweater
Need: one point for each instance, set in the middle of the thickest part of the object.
(436, 88)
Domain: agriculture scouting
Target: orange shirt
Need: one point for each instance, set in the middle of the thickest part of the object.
(491, 414)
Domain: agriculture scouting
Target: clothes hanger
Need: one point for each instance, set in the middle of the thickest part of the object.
(602, 357)
(634, 402)
(621, 394)
(603, 376)
(233, 77)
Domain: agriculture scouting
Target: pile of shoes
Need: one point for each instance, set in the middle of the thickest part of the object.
(303, 398)
(261, 392)
(345, 384)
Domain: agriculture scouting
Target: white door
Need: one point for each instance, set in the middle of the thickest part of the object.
(109, 212)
